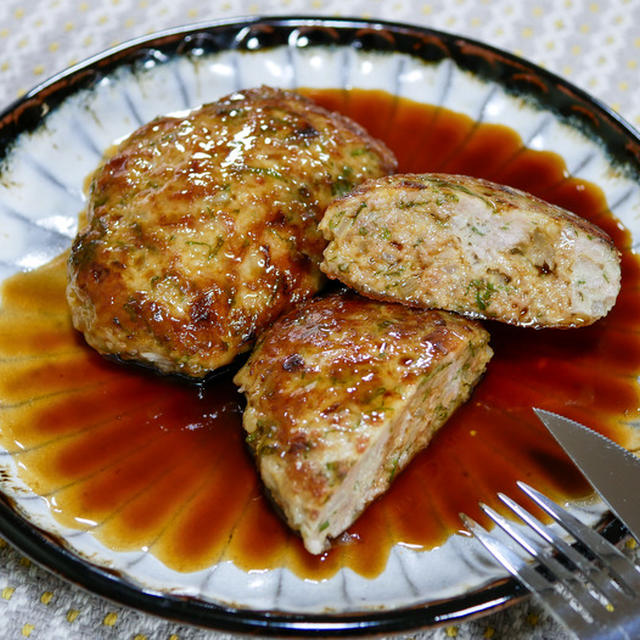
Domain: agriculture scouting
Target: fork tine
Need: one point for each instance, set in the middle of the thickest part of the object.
(507, 558)
(540, 586)
(625, 572)
(568, 579)
(602, 582)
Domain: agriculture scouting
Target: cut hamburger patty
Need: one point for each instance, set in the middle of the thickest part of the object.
(202, 229)
(342, 392)
(471, 246)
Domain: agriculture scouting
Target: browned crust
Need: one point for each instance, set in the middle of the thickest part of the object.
(318, 368)
(202, 229)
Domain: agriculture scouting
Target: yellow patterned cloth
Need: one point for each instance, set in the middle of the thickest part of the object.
(594, 44)
(35, 604)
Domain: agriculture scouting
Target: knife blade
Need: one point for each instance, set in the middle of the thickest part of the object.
(613, 471)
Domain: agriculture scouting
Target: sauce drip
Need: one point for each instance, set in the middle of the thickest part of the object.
(154, 463)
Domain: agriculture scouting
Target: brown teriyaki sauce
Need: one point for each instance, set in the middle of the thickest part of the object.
(147, 462)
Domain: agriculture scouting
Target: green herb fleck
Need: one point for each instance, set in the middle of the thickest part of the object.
(441, 412)
(363, 205)
(374, 394)
(394, 468)
(343, 183)
(267, 171)
(484, 290)
(130, 308)
(212, 249)
(446, 184)
(99, 201)
(335, 221)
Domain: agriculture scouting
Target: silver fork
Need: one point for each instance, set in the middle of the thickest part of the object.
(591, 588)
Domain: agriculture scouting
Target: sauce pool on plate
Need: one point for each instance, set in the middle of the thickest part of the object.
(157, 463)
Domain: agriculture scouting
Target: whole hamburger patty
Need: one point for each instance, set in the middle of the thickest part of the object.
(202, 229)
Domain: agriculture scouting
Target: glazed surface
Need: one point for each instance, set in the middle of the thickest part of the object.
(342, 392)
(202, 229)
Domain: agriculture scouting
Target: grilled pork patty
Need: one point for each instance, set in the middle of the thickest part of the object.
(202, 229)
(471, 246)
(342, 392)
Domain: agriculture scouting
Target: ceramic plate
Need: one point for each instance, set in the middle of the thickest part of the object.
(54, 136)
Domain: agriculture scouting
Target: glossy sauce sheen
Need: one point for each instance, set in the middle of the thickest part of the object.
(151, 462)
(191, 268)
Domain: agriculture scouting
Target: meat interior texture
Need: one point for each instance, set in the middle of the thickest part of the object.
(471, 246)
(342, 393)
(200, 230)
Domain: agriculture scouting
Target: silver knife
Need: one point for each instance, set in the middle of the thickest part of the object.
(613, 471)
